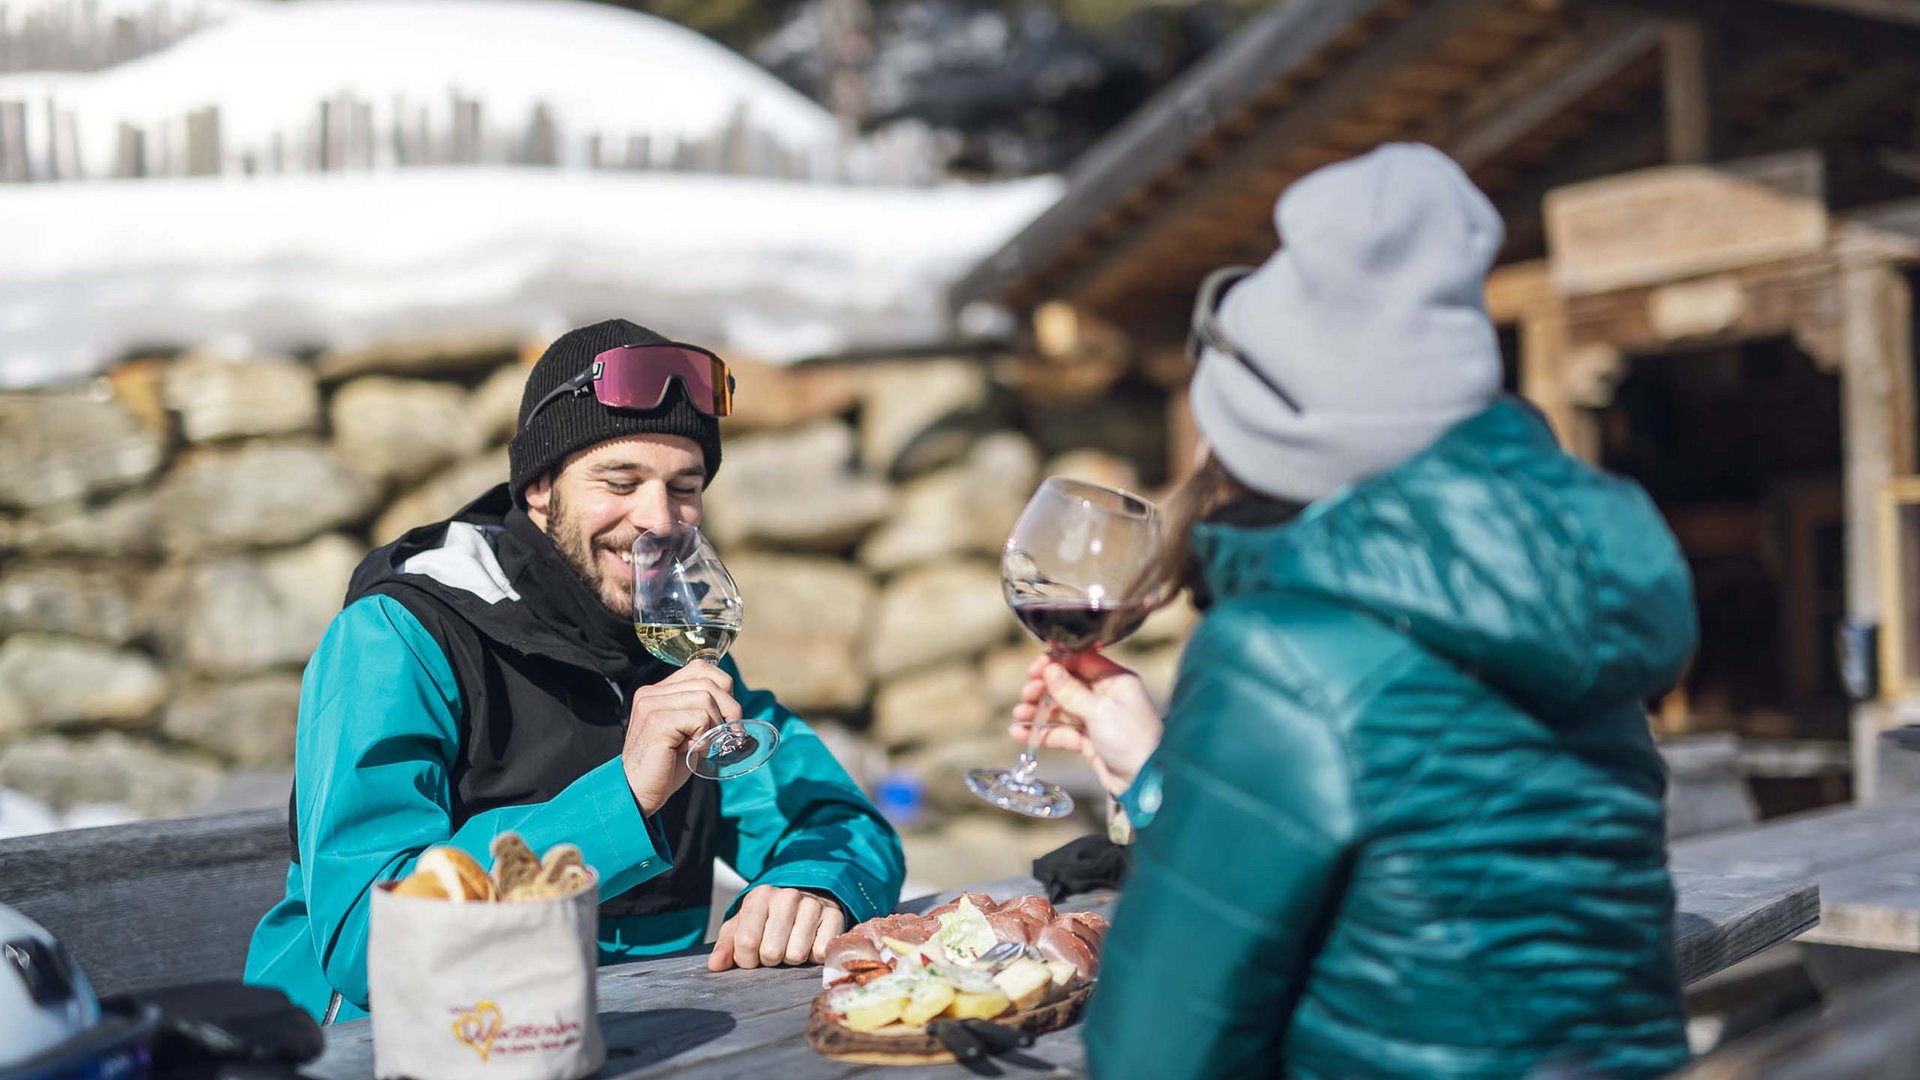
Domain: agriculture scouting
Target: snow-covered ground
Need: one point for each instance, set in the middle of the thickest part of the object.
(22, 816)
(768, 268)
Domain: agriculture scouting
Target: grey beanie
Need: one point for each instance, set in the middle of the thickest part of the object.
(1372, 316)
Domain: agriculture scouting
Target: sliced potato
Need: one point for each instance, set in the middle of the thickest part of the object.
(984, 1005)
(1027, 983)
(930, 999)
(874, 1013)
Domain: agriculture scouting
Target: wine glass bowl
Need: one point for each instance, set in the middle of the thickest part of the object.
(1073, 571)
(687, 609)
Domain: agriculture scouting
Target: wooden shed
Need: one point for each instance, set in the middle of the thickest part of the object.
(1707, 285)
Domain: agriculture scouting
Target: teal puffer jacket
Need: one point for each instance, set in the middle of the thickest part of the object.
(1407, 817)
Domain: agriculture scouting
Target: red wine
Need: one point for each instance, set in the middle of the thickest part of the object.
(1071, 626)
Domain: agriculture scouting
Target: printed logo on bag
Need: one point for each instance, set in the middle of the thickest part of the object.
(484, 1028)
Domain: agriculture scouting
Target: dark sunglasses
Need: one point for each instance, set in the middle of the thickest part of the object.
(638, 377)
(1204, 328)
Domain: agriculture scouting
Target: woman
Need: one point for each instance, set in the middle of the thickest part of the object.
(1406, 815)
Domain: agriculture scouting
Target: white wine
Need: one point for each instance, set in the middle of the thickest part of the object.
(678, 644)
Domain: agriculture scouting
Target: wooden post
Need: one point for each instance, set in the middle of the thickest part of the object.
(1877, 411)
(203, 141)
(13, 141)
(1546, 380)
(1687, 56)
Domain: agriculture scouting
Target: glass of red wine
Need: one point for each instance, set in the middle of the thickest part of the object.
(1072, 569)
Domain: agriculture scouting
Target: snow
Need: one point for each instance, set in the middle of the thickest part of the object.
(772, 269)
(24, 816)
(268, 67)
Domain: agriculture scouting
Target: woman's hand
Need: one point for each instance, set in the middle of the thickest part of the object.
(1101, 711)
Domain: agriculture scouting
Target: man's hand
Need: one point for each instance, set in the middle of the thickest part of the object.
(776, 926)
(666, 717)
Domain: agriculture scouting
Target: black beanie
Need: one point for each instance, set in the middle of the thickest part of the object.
(574, 422)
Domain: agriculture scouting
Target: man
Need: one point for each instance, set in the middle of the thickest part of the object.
(484, 677)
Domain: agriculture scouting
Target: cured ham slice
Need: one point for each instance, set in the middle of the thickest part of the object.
(912, 929)
(1057, 942)
(1086, 926)
(1010, 924)
(860, 943)
(1035, 907)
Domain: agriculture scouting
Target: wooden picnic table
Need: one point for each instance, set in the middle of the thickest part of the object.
(672, 1017)
(1866, 860)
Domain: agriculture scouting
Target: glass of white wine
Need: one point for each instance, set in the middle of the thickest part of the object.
(686, 609)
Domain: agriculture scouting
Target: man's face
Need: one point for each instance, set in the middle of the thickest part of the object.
(607, 495)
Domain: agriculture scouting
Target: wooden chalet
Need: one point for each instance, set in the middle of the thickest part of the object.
(1713, 215)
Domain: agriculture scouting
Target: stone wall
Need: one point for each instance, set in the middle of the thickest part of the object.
(175, 537)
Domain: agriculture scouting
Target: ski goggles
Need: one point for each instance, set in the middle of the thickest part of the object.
(1204, 329)
(638, 377)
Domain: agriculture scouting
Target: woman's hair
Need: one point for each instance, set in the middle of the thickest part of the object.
(1206, 489)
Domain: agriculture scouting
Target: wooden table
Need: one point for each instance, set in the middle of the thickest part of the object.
(1866, 860)
(672, 1017)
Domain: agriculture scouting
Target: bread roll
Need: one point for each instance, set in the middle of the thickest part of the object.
(457, 874)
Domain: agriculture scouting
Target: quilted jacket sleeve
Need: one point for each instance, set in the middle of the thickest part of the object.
(1236, 877)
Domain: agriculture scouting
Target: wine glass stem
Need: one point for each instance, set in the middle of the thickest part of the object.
(728, 740)
(1036, 734)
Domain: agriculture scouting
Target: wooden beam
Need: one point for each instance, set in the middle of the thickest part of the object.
(1893, 11)
(1688, 77)
(1831, 115)
(1876, 310)
(1565, 74)
(1285, 39)
(1362, 74)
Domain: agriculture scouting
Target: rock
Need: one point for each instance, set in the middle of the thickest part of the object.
(56, 681)
(219, 397)
(929, 706)
(918, 415)
(771, 397)
(108, 769)
(136, 385)
(1095, 467)
(937, 613)
(494, 406)
(435, 355)
(14, 717)
(258, 495)
(1132, 427)
(249, 722)
(795, 490)
(982, 847)
(965, 509)
(56, 448)
(252, 789)
(402, 429)
(242, 614)
(1003, 672)
(439, 497)
(864, 761)
(128, 526)
(102, 605)
(805, 623)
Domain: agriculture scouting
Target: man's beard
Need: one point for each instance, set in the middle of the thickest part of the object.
(570, 537)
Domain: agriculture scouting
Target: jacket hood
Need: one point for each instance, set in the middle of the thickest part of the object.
(1552, 582)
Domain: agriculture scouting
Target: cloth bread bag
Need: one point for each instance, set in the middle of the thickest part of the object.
(484, 990)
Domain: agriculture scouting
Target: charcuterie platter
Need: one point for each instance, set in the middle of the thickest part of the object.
(973, 973)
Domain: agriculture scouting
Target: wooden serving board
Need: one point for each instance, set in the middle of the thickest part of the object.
(914, 1046)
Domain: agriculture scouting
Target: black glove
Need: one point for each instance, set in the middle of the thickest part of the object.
(225, 1029)
(1083, 865)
